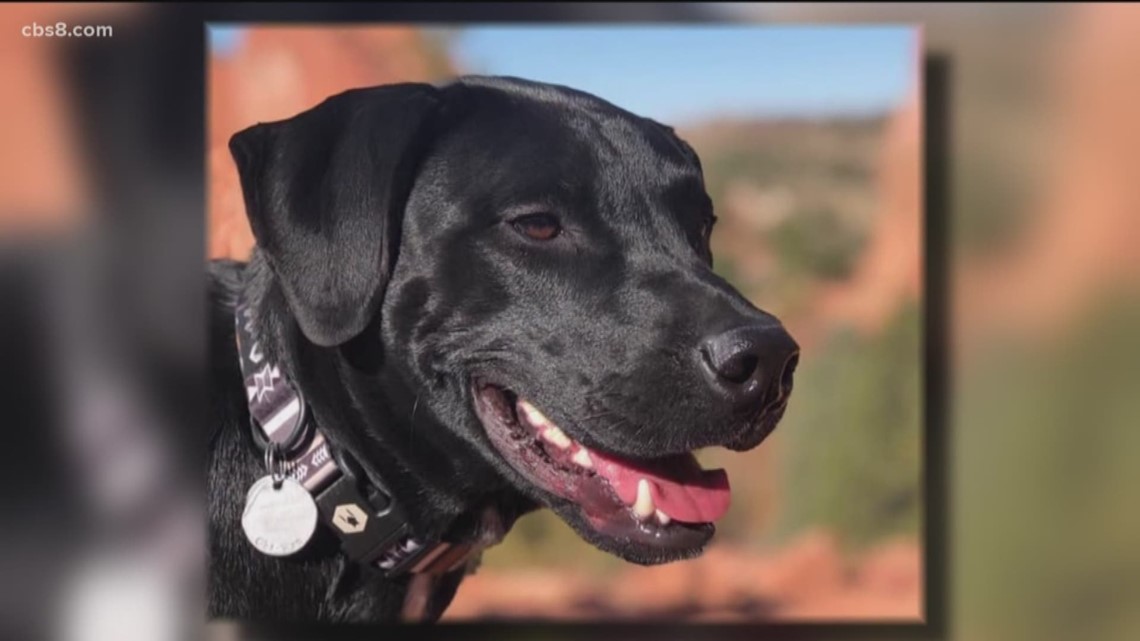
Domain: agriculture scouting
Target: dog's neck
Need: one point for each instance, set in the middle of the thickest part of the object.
(374, 414)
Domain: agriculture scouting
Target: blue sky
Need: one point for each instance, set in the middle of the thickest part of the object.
(688, 73)
(223, 38)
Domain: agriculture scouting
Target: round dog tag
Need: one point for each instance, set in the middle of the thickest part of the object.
(279, 521)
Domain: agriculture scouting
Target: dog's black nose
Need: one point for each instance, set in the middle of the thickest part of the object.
(753, 365)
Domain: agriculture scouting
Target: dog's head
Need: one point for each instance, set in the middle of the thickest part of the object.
(538, 260)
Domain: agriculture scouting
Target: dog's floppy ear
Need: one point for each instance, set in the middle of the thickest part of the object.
(323, 191)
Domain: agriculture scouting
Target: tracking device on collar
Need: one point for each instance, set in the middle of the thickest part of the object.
(301, 471)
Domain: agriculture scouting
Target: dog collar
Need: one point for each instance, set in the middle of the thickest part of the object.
(372, 532)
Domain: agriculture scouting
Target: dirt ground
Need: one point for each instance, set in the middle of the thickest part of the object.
(807, 580)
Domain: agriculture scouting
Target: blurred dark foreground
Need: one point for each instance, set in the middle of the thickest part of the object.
(101, 284)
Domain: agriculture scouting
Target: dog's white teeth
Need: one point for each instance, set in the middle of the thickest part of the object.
(557, 437)
(662, 518)
(533, 416)
(546, 428)
(643, 507)
(582, 458)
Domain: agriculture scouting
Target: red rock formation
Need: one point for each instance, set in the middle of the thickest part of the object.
(890, 269)
(807, 580)
(1086, 228)
(43, 181)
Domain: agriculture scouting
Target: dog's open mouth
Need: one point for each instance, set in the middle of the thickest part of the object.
(666, 504)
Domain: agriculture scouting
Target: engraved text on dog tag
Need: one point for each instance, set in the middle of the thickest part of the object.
(279, 521)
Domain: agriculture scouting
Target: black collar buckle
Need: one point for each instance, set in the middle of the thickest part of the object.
(369, 534)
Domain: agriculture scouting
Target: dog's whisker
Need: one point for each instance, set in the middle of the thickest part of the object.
(412, 419)
(415, 406)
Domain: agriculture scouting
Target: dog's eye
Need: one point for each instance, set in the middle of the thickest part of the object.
(537, 226)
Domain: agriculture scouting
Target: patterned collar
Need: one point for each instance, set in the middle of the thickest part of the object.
(372, 532)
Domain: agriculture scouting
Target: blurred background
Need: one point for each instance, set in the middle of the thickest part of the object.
(810, 138)
(101, 172)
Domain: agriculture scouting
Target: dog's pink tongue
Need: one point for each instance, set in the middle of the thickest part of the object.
(680, 488)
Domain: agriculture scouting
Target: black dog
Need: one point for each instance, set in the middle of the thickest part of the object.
(496, 296)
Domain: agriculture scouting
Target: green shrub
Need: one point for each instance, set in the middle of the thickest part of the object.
(817, 242)
(852, 436)
(1047, 483)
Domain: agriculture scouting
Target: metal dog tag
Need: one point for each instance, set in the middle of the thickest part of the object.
(279, 521)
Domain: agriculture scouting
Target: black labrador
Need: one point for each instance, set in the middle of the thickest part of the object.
(497, 295)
